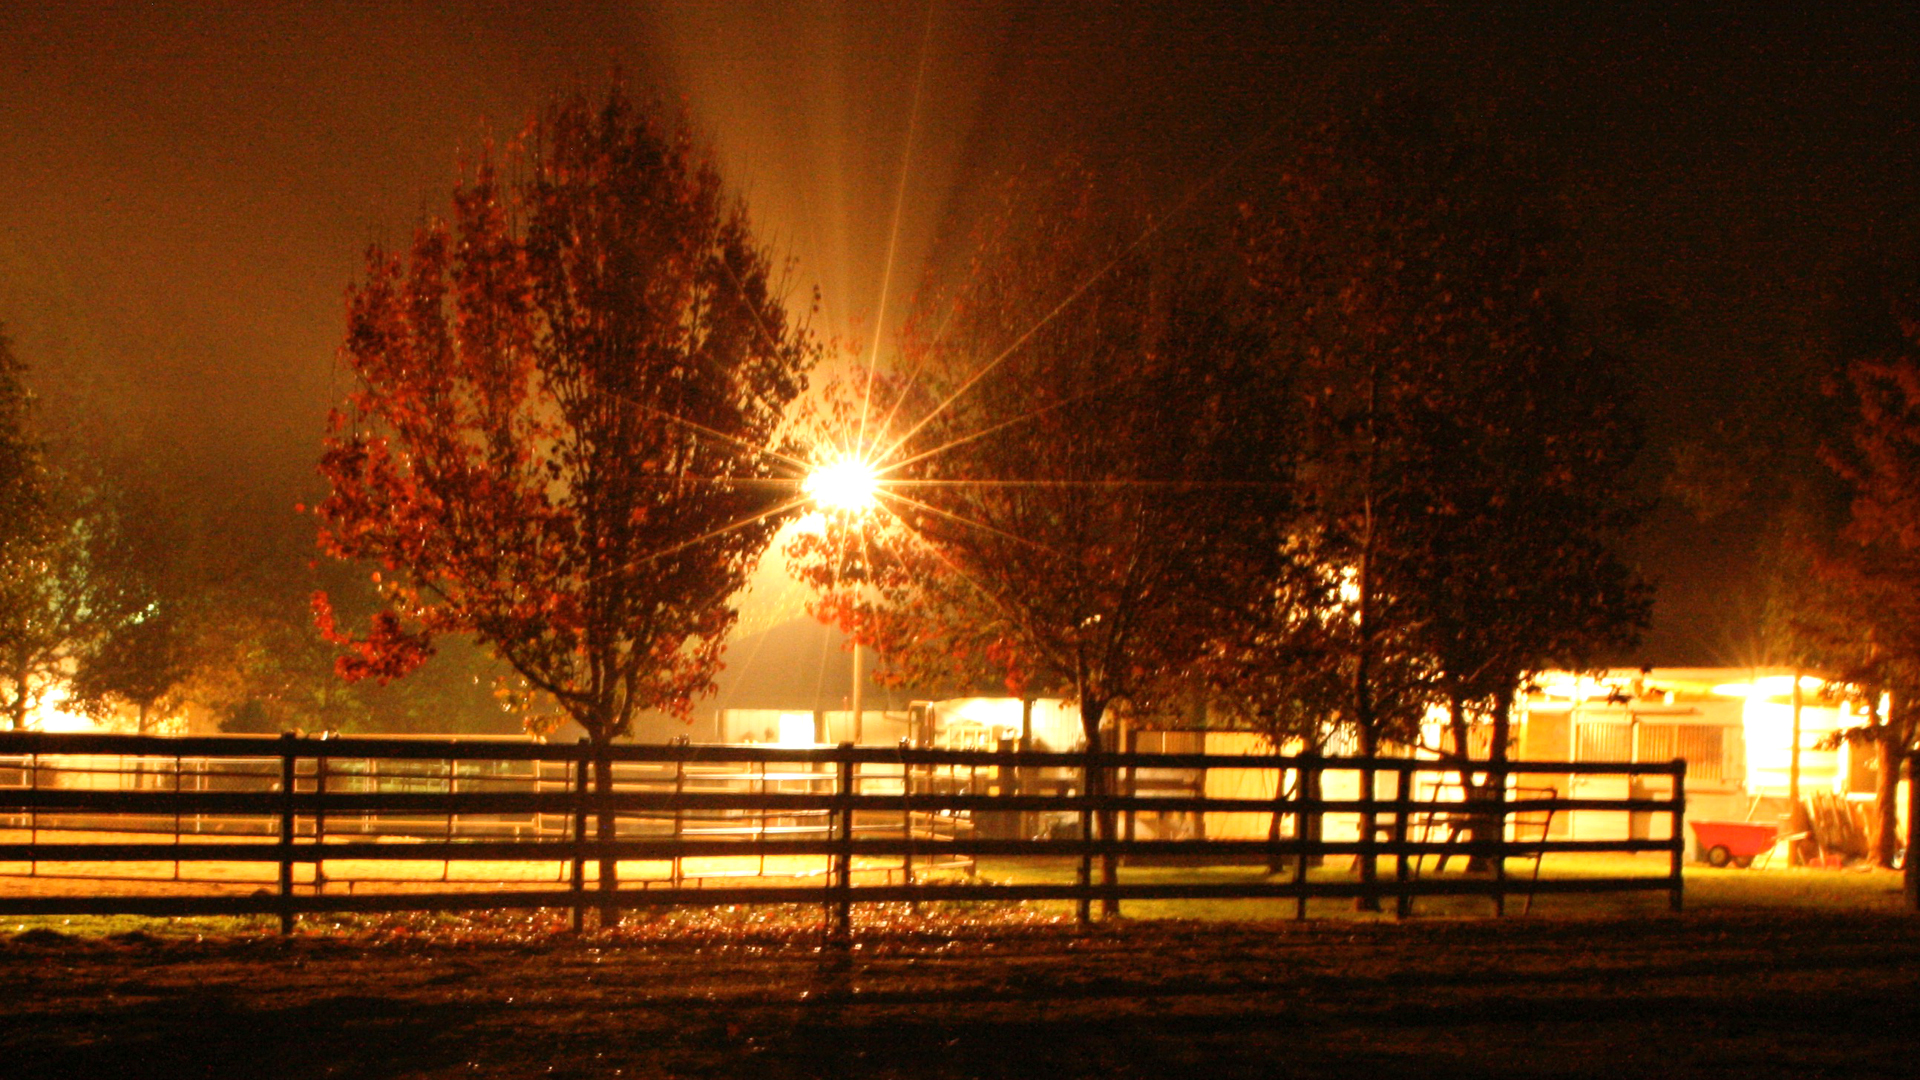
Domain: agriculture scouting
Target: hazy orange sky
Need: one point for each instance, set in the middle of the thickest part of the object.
(187, 188)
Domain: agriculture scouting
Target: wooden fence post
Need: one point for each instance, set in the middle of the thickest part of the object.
(1084, 879)
(1497, 794)
(178, 763)
(906, 831)
(580, 782)
(453, 788)
(1677, 842)
(33, 816)
(842, 877)
(679, 827)
(287, 739)
(1911, 866)
(1368, 898)
(1307, 785)
(319, 824)
(1403, 903)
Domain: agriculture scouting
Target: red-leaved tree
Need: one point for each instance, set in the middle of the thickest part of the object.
(564, 433)
(1860, 610)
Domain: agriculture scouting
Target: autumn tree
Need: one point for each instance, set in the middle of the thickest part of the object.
(565, 431)
(1081, 462)
(1466, 455)
(869, 577)
(1855, 618)
(1272, 667)
(1339, 251)
(263, 670)
(1524, 497)
(1521, 570)
(1860, 612)
(1331, 248)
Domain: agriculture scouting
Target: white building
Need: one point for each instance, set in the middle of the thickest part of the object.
(1744, 733)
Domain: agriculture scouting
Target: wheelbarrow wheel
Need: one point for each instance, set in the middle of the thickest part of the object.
(1719, 856)
(1743, 861)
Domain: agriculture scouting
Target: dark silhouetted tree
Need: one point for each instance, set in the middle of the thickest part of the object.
(56, 603)
(1081, 466)
(1859, 614)
(1466, 458)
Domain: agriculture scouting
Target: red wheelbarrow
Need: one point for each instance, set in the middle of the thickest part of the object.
(1735, 842)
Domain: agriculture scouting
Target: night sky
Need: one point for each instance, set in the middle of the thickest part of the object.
(186, 189)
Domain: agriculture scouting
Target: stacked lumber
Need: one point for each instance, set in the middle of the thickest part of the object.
(1836, 826)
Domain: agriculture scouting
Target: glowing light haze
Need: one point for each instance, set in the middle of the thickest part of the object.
(846, 484)
(187, 187)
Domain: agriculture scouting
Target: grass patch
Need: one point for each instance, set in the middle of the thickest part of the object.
(171, 927)
(1707, 889)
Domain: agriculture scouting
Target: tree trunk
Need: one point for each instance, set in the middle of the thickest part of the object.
(1496, 786)
(1306, 788)
(1457, 724)
(1315, 829)
(1470, 793)
(1795, 851)
(1363, 718)
(1027, 821)
(1502, 723)
(1280, 799)
(1091, 712)
(1886, 800)
(1369, 866)
(17, 708)
(1910, 873)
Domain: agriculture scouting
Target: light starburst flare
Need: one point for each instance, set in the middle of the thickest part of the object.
(845, 484)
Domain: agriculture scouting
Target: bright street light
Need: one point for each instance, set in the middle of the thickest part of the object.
(846, 485)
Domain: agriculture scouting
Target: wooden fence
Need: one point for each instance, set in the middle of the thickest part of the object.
(688, 824)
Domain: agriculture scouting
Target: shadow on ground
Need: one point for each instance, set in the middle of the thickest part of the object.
(1755, 994)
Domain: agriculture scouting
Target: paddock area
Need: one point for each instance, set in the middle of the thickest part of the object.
(1759, 989)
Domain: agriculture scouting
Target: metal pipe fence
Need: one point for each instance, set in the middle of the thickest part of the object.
(288, 826)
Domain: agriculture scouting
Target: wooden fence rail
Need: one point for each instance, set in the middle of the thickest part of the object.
(874, 824)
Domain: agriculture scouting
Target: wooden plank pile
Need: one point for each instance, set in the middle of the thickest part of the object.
(1837, 829)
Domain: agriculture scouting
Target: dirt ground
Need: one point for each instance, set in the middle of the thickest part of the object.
(991, 993)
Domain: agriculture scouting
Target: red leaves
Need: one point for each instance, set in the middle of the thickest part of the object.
(1857, 612)
(1883, 457)
(388, 652)
(323, 619)
(549, 387)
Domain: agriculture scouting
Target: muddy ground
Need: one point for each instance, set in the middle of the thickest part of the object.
(1759, 993)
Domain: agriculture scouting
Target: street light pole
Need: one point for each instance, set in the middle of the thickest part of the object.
(846, 485)
(856, 691)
